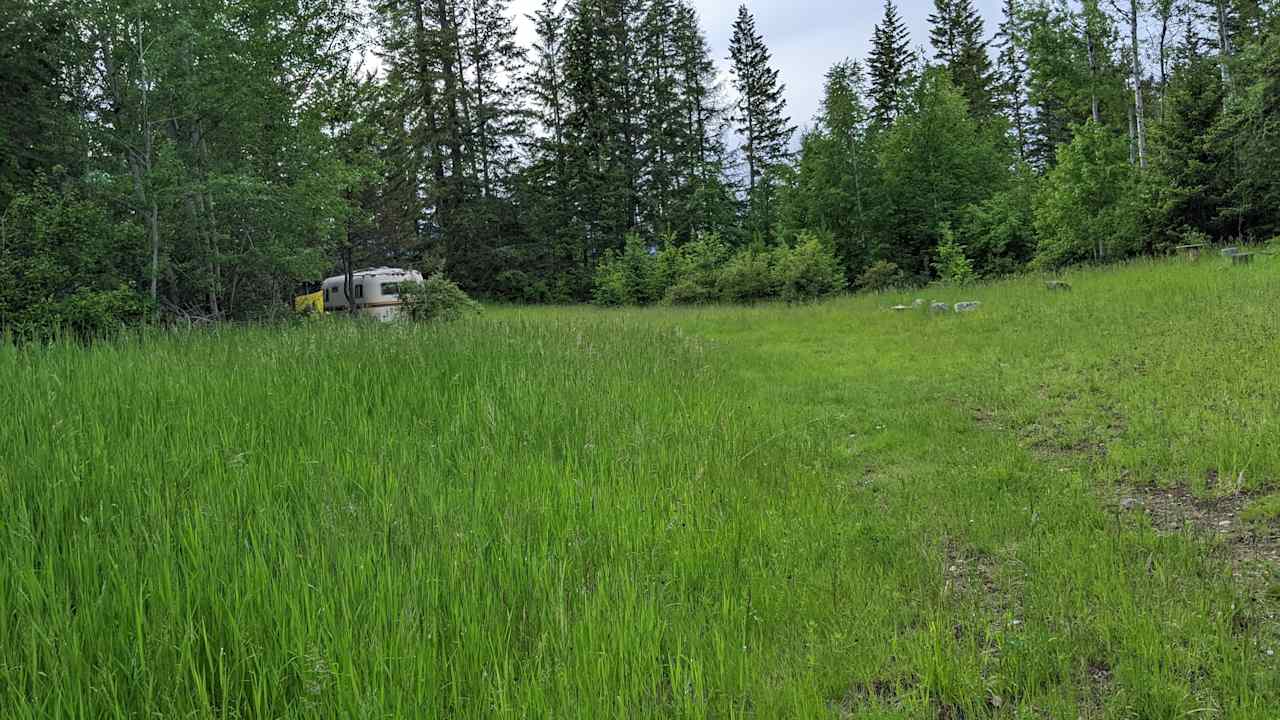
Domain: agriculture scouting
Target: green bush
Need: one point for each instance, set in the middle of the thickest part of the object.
(699, 265)
(437, 298)
(689, 292)
(67, 267)
(881, 275)
(952, 265)
(747, 277)
(999, 233)
(706, 270)
(626, 278)
(809, 270)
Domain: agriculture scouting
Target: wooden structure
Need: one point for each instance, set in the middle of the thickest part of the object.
(1191, 252)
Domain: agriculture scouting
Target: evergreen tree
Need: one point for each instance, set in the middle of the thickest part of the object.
(704, 200)
(497, 115)
(660, 111)
(1011, 75)
(545, 188)
(935, 162)
(890, 65)
(602, 123)
(760, 114)
(1190, 189)
(956, 33)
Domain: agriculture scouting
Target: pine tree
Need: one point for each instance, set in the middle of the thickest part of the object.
(603, 124)
(890, 65)
(705, 201)
(546, 83)
(1011, 75)
(497, 118)
(660, 112)
(1192, 190)
(760, 115)
(957, 36)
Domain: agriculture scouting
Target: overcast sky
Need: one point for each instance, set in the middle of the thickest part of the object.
(805, 36)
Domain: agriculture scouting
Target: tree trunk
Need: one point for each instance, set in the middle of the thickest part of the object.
(1093, 72)
(1225, 49)
(1138, 110)
(1166, 16)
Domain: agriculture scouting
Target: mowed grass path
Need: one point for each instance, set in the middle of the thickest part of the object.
(826, 511)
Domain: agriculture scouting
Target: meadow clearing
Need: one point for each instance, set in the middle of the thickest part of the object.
(831, 510)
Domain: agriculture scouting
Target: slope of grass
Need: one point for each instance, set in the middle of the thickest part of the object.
(832, 510)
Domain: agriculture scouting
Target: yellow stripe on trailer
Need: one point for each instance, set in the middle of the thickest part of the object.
(309, 304)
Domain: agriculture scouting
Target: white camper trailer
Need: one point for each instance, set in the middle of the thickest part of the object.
(374, 292)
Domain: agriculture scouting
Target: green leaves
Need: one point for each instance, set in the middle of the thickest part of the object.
(1087, 207)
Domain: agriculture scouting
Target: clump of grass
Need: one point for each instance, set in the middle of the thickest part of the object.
(1263, 511)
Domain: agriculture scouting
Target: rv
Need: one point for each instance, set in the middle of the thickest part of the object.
(374, 292)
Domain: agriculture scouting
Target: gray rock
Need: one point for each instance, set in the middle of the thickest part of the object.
(1130, 503)
(1058, 286)
(919, 303)
(900, 308)
(963, 307)
(939, 308)
(1229, 251)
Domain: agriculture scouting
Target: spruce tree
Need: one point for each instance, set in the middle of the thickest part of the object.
(660, 112)
(704, 202)
(1011, 74)
(889, 66)
(957, 36)
(760, 114)
(496, 115)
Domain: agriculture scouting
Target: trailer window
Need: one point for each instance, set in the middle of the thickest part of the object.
(326, 294)
(360, 291)
(391, 288)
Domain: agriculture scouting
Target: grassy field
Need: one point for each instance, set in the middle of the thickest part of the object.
(824, 511)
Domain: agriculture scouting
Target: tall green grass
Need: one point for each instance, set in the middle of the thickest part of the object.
(818, 511)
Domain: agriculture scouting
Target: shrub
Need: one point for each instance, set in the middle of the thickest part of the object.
(611, 288)
(999, 233)
(519, 286)
(809, 270)
(952, 265)
(690, 273)
(437, 298)
(1192, 236)
(67, 267)
(749, 276)
(701, 260)
(626, 278)
(882, 275)
(688, 292)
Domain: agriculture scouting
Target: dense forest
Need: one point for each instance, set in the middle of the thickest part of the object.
(202, 158)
